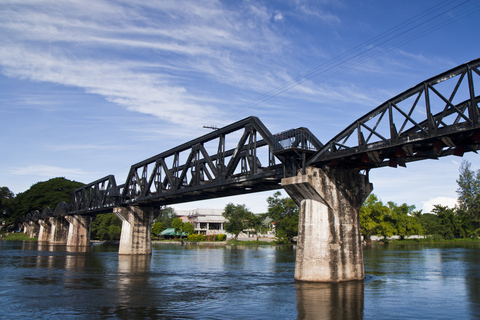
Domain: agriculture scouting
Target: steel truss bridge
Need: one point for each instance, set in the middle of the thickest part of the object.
(435, 118)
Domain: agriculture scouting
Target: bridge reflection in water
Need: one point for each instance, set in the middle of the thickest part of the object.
(229, 282)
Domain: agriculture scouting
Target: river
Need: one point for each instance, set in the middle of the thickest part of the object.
(233, 282)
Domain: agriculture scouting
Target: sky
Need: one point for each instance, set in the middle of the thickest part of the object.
(91, 87)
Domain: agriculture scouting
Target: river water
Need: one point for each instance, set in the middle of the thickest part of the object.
(233, 282)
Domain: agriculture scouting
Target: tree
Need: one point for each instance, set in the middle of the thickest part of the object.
(188, 228)
(238, 217)
(405, 222)
(284, 212)
(182, 227)
(450, 222)
(166, 216)
(157, 228)
(45, 194)
(106, 226)
(7, 204)
(257, 223)
(177, 224)
(371, 215)
(469, 198)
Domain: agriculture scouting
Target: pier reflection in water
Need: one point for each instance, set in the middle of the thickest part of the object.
(41, 281)
(330, 300)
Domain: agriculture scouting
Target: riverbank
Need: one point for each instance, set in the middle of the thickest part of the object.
(16, 236)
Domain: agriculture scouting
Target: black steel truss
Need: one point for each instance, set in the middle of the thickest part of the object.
(100, 195)
(437, 117)
(206, 168)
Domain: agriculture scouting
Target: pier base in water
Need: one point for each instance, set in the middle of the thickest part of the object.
(329, 247)
(136, 236)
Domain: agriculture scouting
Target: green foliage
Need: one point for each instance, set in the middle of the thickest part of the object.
(468, 198)
(7, 204)
(257, 223)
(371, 215)
(157, 228)
(221, 237)
(196, 237)
(182, 227)
(45, 194)
(188, 228)
(284, 212)
(106, 227)
(238, 217)
(379, 219)
(177, 224)
(166, 216)
(450, 222)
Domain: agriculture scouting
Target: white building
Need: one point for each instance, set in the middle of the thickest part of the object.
(205, 221)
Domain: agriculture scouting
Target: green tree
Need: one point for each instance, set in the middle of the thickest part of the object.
(7, 204)
(45, 194)
(166, 216)
(177, 224)
(450, 222)
(157, 228)
(188, 228)
(257, 223)
(431, 224)
(404, 221)
(238, 217)
(371, 215)
(106, 226)
(284, 212)
(468, 198)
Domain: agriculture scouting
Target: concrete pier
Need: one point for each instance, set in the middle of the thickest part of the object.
(45, 229)
(59, 230)
(329, 246)
(136, 236)
(78, 231)
(33, 229)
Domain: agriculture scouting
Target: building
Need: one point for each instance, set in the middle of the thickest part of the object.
(205, 221)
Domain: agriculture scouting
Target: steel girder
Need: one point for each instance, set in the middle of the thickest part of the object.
(224, 162)
(100, 195)
(437, 117)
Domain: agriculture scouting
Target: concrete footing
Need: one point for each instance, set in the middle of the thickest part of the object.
(78, 231)
(329, 247)
(136, 236)
(45, 228)
(33, 229)
(59, 230)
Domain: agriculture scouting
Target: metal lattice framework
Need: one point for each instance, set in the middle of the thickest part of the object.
(437, 117)
(100, 195)
(206, 167)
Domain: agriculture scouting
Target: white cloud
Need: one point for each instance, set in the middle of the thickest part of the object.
(46, 171)
(444, 201)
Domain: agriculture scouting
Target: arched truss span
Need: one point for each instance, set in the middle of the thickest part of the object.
(437, 117)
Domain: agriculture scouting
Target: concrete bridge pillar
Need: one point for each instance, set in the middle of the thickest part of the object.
(329, 247)
(135, 237)
(78, 231)
(26, 228)
(59, 230)
(33, 229)
(45, 229)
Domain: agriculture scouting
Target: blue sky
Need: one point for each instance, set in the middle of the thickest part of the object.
(90, 87)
